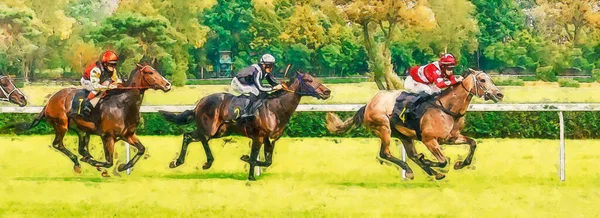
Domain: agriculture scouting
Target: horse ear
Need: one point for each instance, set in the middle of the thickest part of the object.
(153, 64)
(471, 70)
(139, 65)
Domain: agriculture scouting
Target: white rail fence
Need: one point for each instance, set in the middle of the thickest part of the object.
(555, 107)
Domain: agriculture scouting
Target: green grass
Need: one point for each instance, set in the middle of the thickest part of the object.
(532, 92)
(309, 178)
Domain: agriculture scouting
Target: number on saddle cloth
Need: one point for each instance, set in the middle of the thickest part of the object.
(236, 108)
(412, 121)
(78, 98)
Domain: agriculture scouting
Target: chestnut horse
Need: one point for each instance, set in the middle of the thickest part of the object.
(10, 93)
(441, 123)
(212, 117)
(117, 116)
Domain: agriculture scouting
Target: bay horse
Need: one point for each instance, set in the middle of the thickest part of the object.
(212, 115)
(10, 93)
(441, 123)
(118, 116)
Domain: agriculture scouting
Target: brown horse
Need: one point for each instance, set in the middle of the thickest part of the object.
(118, 115)
(212, 115)
(10, 93)
(441, 123)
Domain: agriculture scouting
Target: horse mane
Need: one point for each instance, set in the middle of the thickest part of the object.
(128, 82)
(450, 88)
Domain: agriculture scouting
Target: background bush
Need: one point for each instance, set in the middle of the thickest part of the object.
(578, 125)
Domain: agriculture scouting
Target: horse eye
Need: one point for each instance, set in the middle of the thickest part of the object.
(482, 80)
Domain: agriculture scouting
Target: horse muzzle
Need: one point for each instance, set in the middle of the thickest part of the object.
(494, 97)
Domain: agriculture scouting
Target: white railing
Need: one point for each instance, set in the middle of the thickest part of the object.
(555, 107)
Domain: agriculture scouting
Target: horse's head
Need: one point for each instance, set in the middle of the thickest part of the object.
(307, 85)
(480, 84)
(10, 93)
(146, 77)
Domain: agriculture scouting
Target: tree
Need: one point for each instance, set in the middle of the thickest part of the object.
(566, 20)
(18, 35)
(379, 20)
(498, 20)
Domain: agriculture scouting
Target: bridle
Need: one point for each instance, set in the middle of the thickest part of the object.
(304, 89)
(477, 85)
(8, 94)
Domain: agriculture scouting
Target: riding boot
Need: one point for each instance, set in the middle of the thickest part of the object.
(412, 107)
(252, 107)
(86, 108)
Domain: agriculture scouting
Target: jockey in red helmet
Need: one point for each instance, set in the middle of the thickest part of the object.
(98, 76)
(430, 79)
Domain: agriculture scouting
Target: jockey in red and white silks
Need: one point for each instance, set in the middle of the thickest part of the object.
(433, 77)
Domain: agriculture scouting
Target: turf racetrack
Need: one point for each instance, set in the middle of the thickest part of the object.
(309, 177)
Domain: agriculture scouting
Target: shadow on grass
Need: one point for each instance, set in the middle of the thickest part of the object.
(399, 184)
(65, 179)
(234, 176)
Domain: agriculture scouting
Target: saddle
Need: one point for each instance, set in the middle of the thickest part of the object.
(78, 99)
(410, 120)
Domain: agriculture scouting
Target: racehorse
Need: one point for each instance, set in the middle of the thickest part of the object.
(441, 123)
(213, 120)
(115, 117)
(10, 93)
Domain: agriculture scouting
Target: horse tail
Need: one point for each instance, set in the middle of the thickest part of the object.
(180, 119)
(37, 119)
(336, 126)
(24, 126)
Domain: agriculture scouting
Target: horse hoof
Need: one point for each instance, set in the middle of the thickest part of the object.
(173, 164)
(458, 165)
(77, 169)
(251, 178)
(440, 176)
(121, 167)
(99, 169)
(105, 174)
(245, 158)
(410, 176)
(206, 166)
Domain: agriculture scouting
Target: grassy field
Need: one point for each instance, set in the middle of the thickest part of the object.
(350, 93)
(309, 178)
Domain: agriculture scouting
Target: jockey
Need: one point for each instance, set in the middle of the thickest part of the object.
(429, 80)
(249, 81)
(98, 76)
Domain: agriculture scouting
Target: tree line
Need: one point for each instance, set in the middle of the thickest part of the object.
(379, 38)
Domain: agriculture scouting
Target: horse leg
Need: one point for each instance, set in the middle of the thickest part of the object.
(411, 152)
(269, 147)
(434, 147)
(108, 142)
(58, 144)
(472, 146)
(133, 140)
(83, 148)
(256, 144)
(385, 155)
(188, 138)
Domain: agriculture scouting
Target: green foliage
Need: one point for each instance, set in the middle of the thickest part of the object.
(578, 125)
(509, 82)
(568, 83)
(596, 75)
(546, 74)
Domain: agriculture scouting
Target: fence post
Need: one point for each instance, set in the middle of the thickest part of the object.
(127, 156)
(561, 167)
